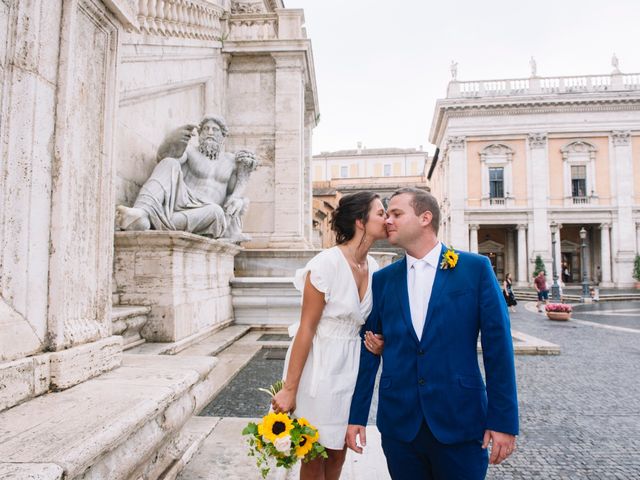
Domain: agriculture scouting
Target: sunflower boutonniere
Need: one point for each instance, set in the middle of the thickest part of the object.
(449, 259)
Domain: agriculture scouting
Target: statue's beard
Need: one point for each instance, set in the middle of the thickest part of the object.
(209, 148)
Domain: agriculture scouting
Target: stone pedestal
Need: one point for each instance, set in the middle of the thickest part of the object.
(184, 278)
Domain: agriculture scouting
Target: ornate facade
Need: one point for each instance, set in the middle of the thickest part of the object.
(521, 155)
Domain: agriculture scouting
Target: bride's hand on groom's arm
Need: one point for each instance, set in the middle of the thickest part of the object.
(502, 445)
(353, 432)
(374, 342)
(284, 401)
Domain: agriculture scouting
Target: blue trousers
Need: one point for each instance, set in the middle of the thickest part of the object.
(425, 458)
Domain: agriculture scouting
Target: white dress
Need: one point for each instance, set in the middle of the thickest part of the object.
(330, 372)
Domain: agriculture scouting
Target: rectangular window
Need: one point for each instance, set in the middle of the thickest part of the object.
(344, 171)
(496, 182)
(387, 170)
(578, 181)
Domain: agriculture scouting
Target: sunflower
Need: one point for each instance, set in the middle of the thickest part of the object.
(274, 426)
(306, 442)
(449, 260)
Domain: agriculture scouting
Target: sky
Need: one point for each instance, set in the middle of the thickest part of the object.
(381, 66)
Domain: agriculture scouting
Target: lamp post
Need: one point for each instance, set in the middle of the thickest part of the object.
(555, 288)
(583, 264)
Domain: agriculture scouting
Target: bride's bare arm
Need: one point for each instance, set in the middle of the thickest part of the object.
(312, 306)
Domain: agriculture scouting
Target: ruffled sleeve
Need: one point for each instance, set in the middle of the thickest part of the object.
(321, 269)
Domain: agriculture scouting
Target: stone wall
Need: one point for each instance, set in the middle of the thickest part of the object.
(89, 88)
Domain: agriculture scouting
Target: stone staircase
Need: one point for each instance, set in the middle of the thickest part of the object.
(133, 423)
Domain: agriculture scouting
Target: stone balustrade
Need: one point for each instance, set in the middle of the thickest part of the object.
(198, 19)
(544, 85)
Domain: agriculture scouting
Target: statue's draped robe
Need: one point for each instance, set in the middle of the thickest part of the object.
(166, 195)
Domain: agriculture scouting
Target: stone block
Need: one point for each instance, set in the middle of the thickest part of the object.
(30, 471)
(184, 278)
(77, 364)
(23, 379)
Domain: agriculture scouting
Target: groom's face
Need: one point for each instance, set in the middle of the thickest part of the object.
(403, 225)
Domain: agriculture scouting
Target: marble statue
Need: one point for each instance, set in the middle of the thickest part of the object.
(615, 63)
(454, 70)
(197, 189)
(534, 67)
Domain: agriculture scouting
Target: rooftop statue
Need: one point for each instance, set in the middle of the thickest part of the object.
(194, 189)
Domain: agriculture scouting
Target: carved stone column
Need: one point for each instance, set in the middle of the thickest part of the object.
(559, 251)
(289, 215)
(510, 257)
(623, 190)
(457, 178)
(522, 254)
(538, 169)
(473, 241)
(605, 255)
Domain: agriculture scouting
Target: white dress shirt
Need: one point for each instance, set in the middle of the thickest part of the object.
(421, 272)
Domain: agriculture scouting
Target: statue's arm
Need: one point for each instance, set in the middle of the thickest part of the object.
(246, 163)
(175, 143)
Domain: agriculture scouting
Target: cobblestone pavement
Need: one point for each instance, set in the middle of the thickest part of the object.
(241, 397)
(619, 314)
(579, 411)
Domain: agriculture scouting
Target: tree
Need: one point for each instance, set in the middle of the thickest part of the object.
(539, 266)
(636, 268)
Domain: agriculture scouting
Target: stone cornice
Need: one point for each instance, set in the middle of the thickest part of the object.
(446, 109)
(172, 239)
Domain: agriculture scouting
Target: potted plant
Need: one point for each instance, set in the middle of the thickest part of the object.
(539, 266)
(636, 270)
(558, 311)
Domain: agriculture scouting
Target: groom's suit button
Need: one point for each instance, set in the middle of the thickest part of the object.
(421, 381)
(420, 352)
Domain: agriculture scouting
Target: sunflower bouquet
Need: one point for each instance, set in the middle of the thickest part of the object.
(282, 438)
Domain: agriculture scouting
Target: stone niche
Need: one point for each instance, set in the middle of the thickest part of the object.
(183, 278)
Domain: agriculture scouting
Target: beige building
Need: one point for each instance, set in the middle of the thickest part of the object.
(368, 163)
(522, 155)
(382, 170)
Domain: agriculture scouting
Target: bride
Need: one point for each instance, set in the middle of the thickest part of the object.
(321, 366)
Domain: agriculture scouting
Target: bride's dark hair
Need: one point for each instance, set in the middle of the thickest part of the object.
(351, 207)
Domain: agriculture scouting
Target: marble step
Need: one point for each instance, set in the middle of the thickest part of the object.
(128, 321)
(265, 301)
(218, 334)
(127, 423)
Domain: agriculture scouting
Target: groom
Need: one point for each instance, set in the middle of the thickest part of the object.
(435, 414)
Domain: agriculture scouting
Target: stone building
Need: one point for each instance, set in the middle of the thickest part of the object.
(89, 89)
(523, 155)
(382, 170)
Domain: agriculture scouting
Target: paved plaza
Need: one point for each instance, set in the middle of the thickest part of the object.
(580, 410)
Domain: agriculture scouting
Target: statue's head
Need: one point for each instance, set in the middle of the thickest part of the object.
(212, 131)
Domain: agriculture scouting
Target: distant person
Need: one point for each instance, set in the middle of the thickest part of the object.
(565, 272)
(507, 290)
(540, 284)
(321, 366)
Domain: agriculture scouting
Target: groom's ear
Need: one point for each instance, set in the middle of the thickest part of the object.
(426, 217)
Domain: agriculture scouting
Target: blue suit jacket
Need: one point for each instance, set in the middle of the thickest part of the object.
(438, 378)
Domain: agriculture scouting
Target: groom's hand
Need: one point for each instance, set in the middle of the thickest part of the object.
(353, 431)
(502, 445)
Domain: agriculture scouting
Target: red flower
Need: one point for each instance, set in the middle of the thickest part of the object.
(559, 307)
